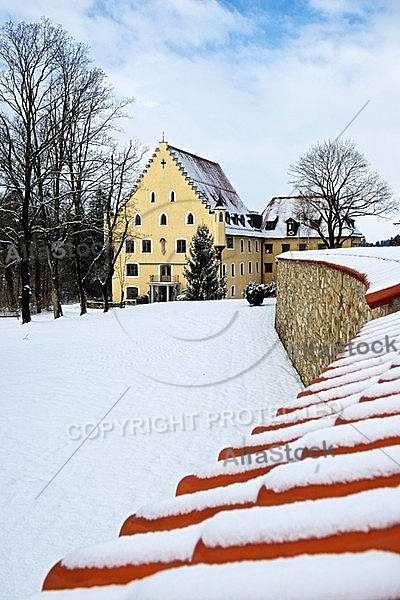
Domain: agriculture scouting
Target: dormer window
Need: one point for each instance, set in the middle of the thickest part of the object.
(227, 218)
(221, 217)
(291, 227)
(242, 221)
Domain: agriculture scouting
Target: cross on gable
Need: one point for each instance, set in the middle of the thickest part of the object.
(163, 162)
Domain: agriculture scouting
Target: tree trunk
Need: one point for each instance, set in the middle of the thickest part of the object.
(55, 289)
(26, 290)
(106, 288)
(38, 285)
(81, 291)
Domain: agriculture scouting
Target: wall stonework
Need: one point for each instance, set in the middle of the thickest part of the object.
(318, 305)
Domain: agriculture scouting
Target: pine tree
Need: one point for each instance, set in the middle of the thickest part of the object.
(201, 271)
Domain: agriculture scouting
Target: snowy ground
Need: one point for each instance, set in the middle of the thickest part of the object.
(196, 374)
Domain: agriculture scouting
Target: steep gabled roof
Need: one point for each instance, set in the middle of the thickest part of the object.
(208, 180)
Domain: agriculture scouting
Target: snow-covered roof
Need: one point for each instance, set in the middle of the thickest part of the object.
(377, 266)
(209, 180)
(281, 208)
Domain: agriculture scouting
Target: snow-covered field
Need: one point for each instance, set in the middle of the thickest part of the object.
(174, 382)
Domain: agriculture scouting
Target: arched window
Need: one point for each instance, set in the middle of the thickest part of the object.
(221, 216)
(190, 219)
(152, 196)
(163, 219)
(172, 196)
(138, 220)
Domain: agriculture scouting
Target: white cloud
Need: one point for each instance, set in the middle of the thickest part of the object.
(204, 74)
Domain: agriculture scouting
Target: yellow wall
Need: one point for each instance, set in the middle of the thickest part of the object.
(161, 179)
(277, 243)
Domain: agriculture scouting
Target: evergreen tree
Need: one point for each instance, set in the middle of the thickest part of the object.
(202, 267)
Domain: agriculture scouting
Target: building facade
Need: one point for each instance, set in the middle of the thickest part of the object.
(178, 191)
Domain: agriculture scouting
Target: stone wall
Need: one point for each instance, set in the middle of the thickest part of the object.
(319, 309)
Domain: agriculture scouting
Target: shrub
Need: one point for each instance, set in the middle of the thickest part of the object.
(142, 299)
(256, 292)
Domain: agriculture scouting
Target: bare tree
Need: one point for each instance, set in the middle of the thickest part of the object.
(336, 186)
(120, 170)
(56, 122)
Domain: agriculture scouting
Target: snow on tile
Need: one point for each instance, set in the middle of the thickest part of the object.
(235, 493)
(162, 546)
(381, 406)
(372, 575)
(303, 520)
(288, 433)
(364, 432)
(342, 468)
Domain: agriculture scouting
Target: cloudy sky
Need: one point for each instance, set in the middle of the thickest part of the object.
(251, 84)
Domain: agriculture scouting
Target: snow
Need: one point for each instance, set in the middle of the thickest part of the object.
(372, 575)
(365, 432)
(235, 493)
(303, 520)
(195, 365)
(160, 546)
(339, 469)
(363, 410)
(380, 265)
(209, 180)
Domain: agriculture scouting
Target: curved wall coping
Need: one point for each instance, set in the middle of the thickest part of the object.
(376, 266)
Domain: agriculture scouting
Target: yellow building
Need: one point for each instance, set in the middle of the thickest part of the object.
(176, 192)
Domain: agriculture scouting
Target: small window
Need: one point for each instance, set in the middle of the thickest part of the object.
(233, 269)
(221, 217)
(146, 246)
(285, 247)
(152, 196)
(227, 218)
(242, 221)
(321, 246)
(163, 219)
(224, 270)
(138, 221)
(268, 248)
(129, 246)
(267, 267)
(256, 245)
(249, 245)
(242, 268)
(180, 246)
(233, 292)
(250, 267)
(242, 246)
(302, 246)
(172, 196)
(257, 266)
(229, 242)
(132, 270)
(132, 293)
(190, 219)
